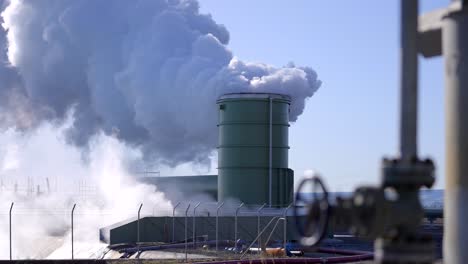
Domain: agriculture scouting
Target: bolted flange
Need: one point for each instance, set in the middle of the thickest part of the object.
(411, 174)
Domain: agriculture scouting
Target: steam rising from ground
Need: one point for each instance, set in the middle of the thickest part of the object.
(41, 222)
(147, 71)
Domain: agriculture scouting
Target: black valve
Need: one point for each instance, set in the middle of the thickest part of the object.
(390, 213)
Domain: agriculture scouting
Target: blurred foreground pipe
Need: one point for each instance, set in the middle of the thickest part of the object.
(455, 51)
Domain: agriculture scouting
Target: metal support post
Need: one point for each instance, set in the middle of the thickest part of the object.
(217, 223)
(235, 224)
(285, 222)
(72, 232)
(11, 208)
(138, 227)
(259, 211)
(455, 52)
(173, 222)
(186, 242)
(193, 224)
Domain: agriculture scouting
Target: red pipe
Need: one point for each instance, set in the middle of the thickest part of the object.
(346, 252)
(344, 259)
(350, 256)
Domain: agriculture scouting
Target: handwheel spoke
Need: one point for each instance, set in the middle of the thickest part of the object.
(317, 212)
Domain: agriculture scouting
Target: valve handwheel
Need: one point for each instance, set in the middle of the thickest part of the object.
(315, 202)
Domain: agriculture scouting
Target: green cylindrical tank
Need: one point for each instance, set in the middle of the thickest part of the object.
(246, 171)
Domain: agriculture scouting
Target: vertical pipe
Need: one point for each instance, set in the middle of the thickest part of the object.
(455, 52)
(235, 224)
(138, 226)
(11, 255)
(409, 79)
(173, 221)
(186, 242)
(258, 221)
(217, 224)
(270, 156)
(72, 232)
(193, 223)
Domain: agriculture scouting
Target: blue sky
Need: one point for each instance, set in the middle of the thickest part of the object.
(352, 121)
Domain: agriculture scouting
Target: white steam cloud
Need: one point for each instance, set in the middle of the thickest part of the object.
(124, 81)
(146, 71)
(103, 190)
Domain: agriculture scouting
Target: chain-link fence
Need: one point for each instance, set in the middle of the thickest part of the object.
(196, 229)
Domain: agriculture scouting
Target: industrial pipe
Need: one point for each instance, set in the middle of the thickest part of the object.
(349, 255)
(173, 222)
(318, 260)
(72, 248)
(455, 51)
(235, 224)
(193, 223)
(11, 208)
(217, 224)
(409, 79)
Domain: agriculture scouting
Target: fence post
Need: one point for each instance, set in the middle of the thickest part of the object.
(193, 223)
(11, 208)
(235, 224)
(138, 228)
(173, 221)
(217, 224)
(72, 245)
(186, 213)
(285, 216)
(258, 224)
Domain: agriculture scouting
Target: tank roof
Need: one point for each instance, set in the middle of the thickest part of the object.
(255, 95)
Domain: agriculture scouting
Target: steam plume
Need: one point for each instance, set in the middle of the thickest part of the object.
(146, 71)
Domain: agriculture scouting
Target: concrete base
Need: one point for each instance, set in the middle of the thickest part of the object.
(159, 229)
